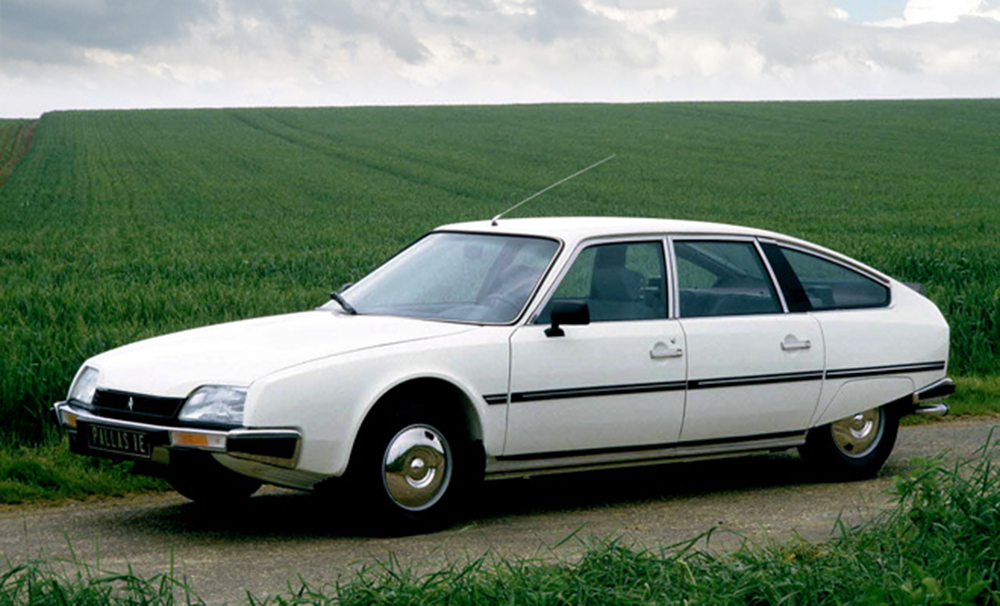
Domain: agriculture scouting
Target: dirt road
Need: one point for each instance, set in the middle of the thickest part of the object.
(278, 535)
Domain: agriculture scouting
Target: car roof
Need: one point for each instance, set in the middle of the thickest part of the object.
(573, 229)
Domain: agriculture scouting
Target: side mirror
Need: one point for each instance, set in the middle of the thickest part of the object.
(569, 313)
(345, 286)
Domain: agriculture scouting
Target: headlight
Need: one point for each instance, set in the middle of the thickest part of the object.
(85, 386)
(215, 404)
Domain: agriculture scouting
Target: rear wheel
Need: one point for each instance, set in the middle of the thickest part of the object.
(852, 448)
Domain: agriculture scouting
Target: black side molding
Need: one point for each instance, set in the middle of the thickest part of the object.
(938, 390)
(277, 446)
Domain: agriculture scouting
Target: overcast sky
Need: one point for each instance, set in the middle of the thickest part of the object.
(74, 54)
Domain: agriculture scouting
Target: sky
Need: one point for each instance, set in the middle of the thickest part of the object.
(96, 54)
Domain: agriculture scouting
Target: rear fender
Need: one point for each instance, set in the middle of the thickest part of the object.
(858, 395)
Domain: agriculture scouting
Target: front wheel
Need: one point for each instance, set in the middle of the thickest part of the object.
(853, 448)
(411, 470)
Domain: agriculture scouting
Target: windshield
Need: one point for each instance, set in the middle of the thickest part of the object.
(455, 276)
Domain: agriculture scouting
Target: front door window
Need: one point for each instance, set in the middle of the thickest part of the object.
(619, 282)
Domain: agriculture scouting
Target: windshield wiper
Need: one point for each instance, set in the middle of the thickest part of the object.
(343, 303)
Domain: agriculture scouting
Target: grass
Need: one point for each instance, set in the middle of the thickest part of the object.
(121, 225)
(49, 472)
(936, 545)
(40, 583)
(975, 396)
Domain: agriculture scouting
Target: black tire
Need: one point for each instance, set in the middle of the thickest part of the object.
(854, 448)
(410, 469)
(208, 482)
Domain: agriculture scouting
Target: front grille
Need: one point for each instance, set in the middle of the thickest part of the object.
(135, 407)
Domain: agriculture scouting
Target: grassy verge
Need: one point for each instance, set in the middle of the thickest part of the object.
(50, 472)
(976, 396)
(936, 546)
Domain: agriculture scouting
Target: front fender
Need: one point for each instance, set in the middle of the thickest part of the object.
(328, 400)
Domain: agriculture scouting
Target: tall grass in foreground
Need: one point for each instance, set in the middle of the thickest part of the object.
(937, 545)
(69, 583)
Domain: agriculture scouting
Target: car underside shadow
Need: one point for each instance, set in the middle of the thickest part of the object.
(661, 483)
(286, 515)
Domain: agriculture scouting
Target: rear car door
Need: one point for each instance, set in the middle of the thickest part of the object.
(753, 370)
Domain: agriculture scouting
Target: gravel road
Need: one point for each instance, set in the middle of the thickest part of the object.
(278, 535)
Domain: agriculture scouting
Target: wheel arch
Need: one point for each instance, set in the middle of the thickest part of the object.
(435, 391)
(858, 395)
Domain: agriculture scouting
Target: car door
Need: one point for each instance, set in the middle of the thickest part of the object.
(753, 369)
(617, 382)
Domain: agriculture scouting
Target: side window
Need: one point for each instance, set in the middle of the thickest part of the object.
(829, 285)
(722, 278)
(621, 281)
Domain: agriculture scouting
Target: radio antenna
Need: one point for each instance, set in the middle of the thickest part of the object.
(493, 222)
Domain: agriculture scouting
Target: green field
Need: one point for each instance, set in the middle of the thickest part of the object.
(121, 225)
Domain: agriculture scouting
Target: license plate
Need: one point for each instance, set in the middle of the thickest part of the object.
(119, 441)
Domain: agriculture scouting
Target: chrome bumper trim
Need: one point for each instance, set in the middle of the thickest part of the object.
(934, 410)
(497, 469)
(927, 400)
(180, 438)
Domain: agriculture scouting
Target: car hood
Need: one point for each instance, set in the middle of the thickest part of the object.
(237, 353)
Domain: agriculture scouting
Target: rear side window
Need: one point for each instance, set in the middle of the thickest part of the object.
(722, 278)
(829, 285)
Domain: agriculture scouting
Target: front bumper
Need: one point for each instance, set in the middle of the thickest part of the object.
(113, 438)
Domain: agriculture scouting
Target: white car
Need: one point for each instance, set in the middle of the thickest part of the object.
(522, 347)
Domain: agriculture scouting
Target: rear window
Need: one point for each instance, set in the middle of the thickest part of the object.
(829, 285)
(722, 278)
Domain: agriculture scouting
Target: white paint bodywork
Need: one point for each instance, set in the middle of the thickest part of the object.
(599, 354)
(911, 329)
(238, 353)
(321, 372)
(742, 346)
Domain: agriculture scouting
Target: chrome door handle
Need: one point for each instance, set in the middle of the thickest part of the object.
(791, 342)
(662, 350)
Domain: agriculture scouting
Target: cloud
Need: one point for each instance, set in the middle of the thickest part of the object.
(386, 21)
(940, 11)
(57, 31)
(95, 53)
(917, 12)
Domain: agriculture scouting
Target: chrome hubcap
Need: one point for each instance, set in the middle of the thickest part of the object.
(858, 435)
(416, 467)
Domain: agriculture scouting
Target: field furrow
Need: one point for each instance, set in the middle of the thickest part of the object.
(15, 139)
